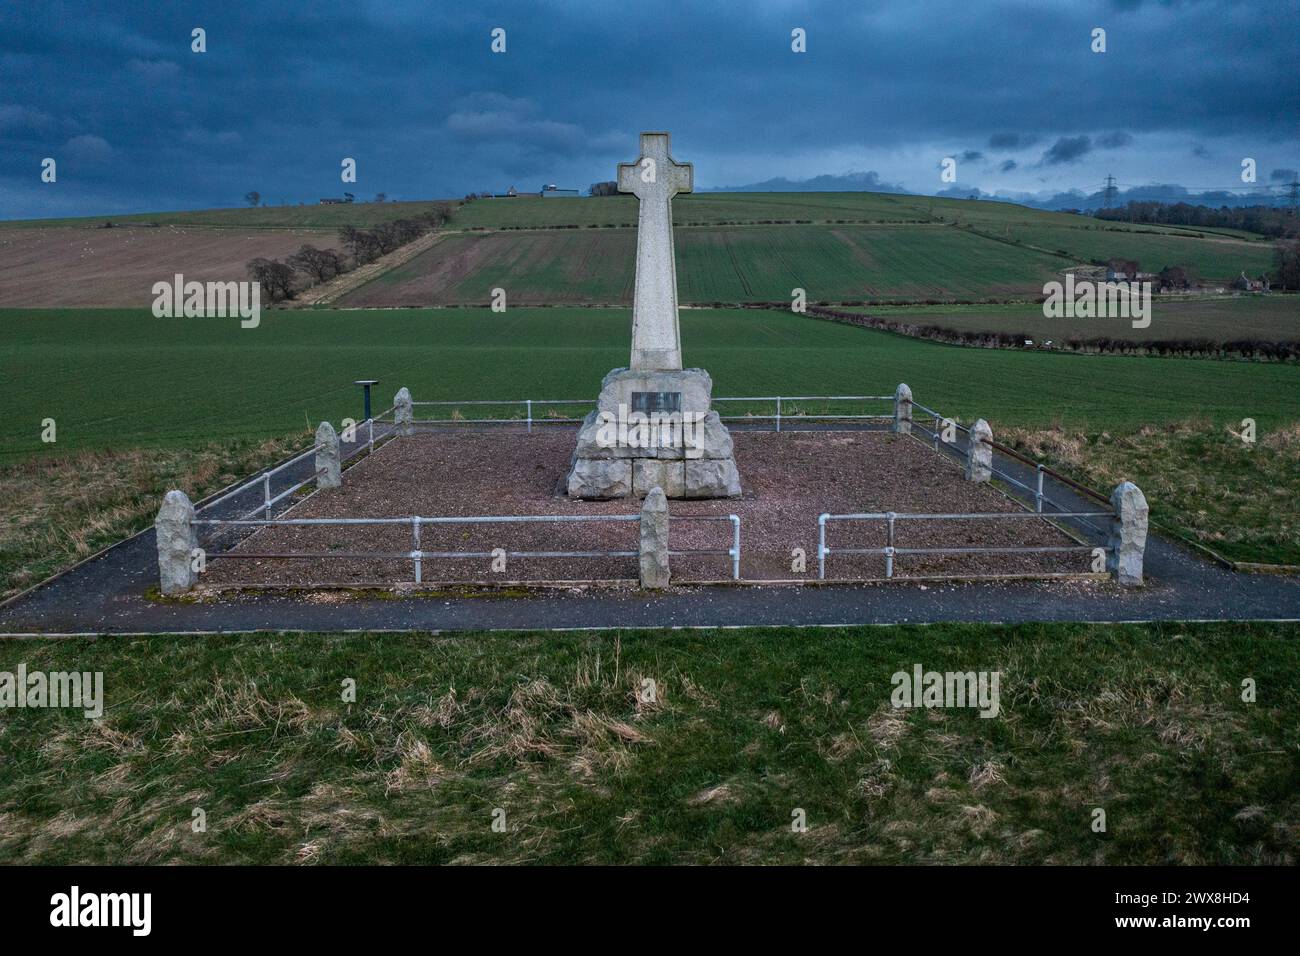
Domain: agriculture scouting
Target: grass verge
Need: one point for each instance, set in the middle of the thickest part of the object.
(58, 510)
(1200, 479)
(745, 728)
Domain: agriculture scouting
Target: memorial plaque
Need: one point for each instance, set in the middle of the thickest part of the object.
(649, 402)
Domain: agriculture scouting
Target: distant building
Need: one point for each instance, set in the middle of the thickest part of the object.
(1244, 283)
(552, 191)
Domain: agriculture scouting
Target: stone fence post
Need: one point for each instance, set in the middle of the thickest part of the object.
(979, 457)
(1128, 534)
(654, 540)
(903, 410)
(403, 412)
(329, 468)
(177, 540)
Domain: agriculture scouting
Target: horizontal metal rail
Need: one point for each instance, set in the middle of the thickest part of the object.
(468, 519)
(514, 401)
(495, 421)
(1041, 469)
(806, 398)
(264, 478)
(407, 555)
(1063, 479)
(889, 551)
(530, 404)
(733, 552)
(417, 555)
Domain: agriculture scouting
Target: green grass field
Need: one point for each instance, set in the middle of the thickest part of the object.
(744, 728)
(1220, 258)
(722, 264)
(1274, 317)
(124, 378)
(747, 247)
(709, 208)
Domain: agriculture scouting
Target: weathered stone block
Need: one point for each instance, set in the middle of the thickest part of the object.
(403, 412)
(711, 478)
(979, 459)
(1127, 541)
(903, 410)
(599, 478)
(654, 540)
(648, 473)
(329, 467)
(177, 540)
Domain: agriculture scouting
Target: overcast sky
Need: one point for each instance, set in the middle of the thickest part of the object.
(413, 92)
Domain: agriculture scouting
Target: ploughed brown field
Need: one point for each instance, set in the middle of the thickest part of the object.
(62, 266)
(789, 479)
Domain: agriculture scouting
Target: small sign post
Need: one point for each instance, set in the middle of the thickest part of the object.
(365, 383)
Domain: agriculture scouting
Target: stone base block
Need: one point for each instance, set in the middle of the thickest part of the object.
(599, 478)
(711, 478)
(650, 473)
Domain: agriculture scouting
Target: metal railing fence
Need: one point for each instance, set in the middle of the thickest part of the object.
(417, 555)
(1036, 493)
(783, 408)
(733, 552)
(890, 550)
(364, 439)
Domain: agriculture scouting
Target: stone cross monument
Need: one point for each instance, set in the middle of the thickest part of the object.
(653, 425)
(654, 179)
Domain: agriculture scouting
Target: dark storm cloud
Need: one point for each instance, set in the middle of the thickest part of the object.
(1282, 175)
(1115, 140)
(411, 90)
(1005, 141)
(1067, 149)
(971, 155)
(1007, 165)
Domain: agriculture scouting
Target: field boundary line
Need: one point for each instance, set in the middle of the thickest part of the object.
(328, 292)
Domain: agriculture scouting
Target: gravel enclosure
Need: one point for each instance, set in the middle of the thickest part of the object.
(789, 479)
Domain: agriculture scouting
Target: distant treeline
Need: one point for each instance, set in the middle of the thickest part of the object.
(1260, 350)
(1265, 220)
(282, 280)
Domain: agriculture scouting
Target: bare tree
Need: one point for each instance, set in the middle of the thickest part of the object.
(359, 243)
(275, 278)
(320, 264)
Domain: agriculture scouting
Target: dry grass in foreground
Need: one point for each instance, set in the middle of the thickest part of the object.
(556, 738)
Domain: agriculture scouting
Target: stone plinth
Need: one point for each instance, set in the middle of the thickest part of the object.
(654, 428)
